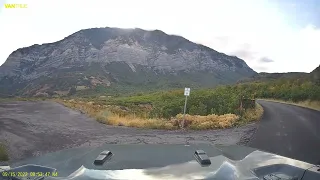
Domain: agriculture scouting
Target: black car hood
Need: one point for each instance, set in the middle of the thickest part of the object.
(172, 162)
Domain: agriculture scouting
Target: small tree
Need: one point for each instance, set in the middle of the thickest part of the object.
(72, 91)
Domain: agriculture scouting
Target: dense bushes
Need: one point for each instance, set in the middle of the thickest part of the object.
(248, 103)
(222, 100)
(289, 90)
(225, 99)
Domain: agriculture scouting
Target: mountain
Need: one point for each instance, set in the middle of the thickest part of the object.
(316, 71)
(264, 77)
(316, 75)
(113, 60)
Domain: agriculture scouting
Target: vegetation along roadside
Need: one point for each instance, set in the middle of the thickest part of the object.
(207, 109)
(221, 107)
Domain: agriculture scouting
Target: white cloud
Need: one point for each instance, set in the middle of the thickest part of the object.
(251, 29)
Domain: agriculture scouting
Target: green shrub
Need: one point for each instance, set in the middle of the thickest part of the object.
(3, 153)
(200, 109)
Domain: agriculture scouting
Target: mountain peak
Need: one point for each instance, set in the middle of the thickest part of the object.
(147, 57)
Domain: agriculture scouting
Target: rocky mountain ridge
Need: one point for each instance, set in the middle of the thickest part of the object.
(112, 56)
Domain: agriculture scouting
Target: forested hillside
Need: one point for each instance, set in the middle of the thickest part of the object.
(284, 86)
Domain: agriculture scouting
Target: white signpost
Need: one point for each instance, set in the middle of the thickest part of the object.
(186, 93)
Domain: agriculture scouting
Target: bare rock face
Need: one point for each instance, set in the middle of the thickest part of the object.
(106, 54)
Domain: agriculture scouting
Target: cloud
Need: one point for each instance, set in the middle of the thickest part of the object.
(243, 54)
(266, 60)
(2, 4)
(245, 51)
(260, 68)
(222, 41)
(258, 30)
(300, 13)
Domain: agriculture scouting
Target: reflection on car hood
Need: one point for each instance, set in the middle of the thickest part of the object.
(222, 168)
(171, 162)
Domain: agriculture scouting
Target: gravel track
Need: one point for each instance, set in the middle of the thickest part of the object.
(35, 128)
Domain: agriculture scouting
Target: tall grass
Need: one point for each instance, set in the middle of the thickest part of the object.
(211, 121)
(251, 115)
(132, 121)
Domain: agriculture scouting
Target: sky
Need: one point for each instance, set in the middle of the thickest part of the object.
(270, 35)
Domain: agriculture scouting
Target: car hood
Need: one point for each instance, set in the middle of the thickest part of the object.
(171, 162)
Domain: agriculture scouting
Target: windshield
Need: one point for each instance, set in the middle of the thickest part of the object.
(80, 75)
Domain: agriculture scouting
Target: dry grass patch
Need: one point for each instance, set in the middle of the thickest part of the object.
(211, 121)
(131, 121)
(113, 115)
(307, 104)
(252, 114)
(192, 122)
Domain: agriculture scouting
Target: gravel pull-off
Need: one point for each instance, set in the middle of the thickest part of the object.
(34, 128)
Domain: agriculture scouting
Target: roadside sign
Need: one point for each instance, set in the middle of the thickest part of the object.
(187, 91)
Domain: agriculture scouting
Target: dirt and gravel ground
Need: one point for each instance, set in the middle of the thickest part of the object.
(34, 128)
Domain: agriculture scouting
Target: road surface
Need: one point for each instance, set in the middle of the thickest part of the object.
(289, 131)
(35, 128)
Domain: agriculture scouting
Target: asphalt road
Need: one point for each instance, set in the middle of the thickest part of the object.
(289, 131)
(35, 128)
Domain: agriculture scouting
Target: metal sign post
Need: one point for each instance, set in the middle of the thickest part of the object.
(186, 93)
